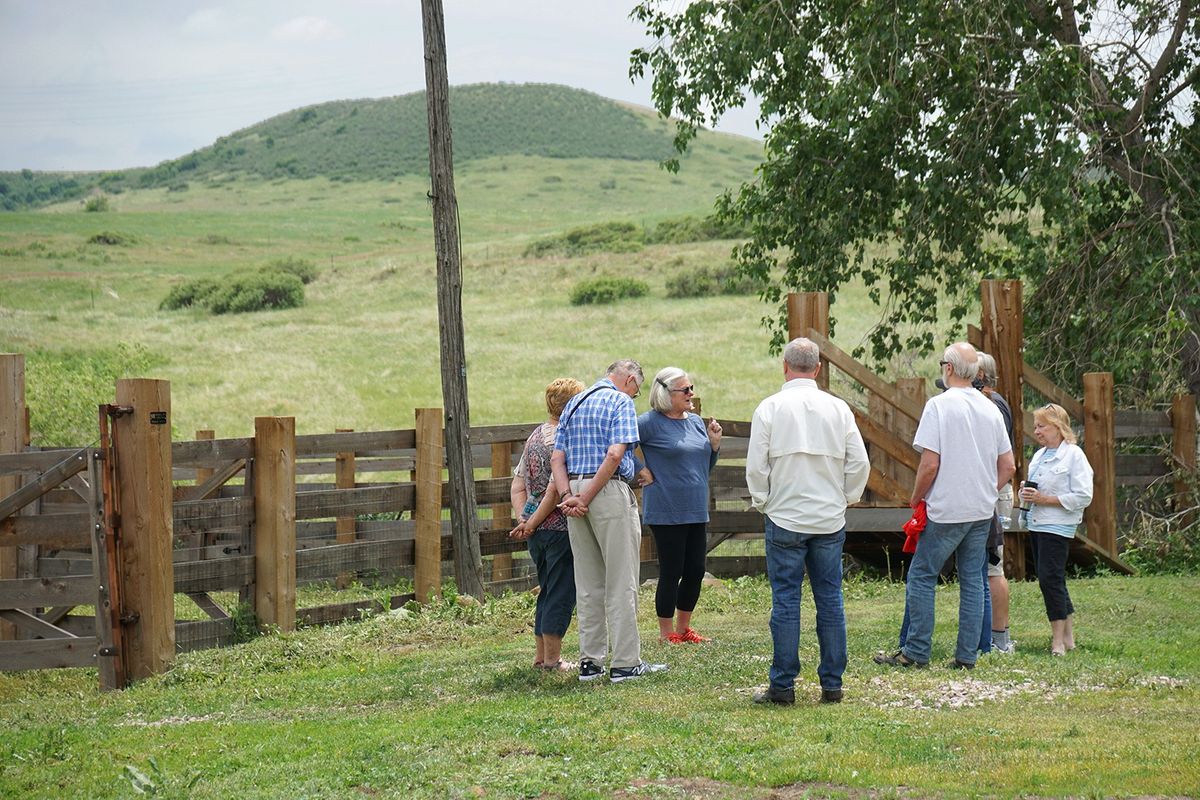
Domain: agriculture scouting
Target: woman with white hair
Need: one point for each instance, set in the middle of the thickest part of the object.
(680, 452)
(1058, 489)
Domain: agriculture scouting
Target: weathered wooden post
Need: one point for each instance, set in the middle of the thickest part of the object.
(208, 538)
(1098, 445)
(142, 444)
(12, 440)
(1003, 326)
(1183, 420)
(275, 522)
(345, 527)
(464, 518)
(810, 310)
(427, 514)
(502, 513)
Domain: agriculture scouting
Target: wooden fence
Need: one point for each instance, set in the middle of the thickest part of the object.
(260, 515)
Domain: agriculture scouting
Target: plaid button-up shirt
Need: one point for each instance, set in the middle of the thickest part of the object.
(602, 418)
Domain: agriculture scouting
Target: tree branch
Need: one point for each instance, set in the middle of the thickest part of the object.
(1134, 118)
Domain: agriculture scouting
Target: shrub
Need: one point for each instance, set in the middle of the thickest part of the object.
(257, 292)
(695, 229)
(608, 237)
(306, 271)
(96, 203)
(607, 290)
(111, 238)
(708, 282)
(192, 293)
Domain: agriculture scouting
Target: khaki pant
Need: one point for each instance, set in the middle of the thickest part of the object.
(607, 548)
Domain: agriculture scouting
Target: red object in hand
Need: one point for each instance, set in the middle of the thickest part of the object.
(912, 528)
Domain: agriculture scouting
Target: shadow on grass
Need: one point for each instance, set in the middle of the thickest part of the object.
(526, 680)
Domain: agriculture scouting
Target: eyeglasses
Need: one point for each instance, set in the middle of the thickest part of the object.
(943, 363)
(638, 386)
(684, 389)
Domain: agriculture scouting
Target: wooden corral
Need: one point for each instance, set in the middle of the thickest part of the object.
(126, 528)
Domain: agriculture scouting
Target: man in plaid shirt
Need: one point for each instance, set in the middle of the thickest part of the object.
(592, 466)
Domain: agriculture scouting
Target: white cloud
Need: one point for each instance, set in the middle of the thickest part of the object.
(307, 29)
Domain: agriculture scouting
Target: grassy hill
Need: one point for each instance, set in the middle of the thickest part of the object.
(364, 140)
(80, 292)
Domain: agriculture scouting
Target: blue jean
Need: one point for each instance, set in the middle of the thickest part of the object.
(550, 552)
(967, 541)
(789, 556)
(985, 632)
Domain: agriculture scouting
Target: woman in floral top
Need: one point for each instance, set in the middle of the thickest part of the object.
(545, 527)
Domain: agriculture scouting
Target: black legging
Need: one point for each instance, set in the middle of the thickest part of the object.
(681, 552)
(1050, 559)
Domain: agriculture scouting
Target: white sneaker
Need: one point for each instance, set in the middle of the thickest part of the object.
(618, 674)
(1008, 651)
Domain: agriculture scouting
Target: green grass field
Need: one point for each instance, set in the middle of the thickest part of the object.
(361, 353)
(443, 704)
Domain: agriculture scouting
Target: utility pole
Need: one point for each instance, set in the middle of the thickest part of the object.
(468, 565)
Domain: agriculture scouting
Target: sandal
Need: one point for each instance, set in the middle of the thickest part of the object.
(559, 666)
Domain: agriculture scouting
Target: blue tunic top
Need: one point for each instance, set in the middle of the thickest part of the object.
(679, 455)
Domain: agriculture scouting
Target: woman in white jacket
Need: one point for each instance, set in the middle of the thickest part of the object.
(1055, 508)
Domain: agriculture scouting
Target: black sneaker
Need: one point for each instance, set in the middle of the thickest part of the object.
(898, 659)
(956, 664)
(831, 695)
(779, 697)
(618, 674)
(589, 670)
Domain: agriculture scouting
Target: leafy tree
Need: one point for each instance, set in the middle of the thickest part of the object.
(922, 145)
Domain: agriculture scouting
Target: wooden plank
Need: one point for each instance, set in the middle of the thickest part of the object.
(208, 605)
(322, 563)
(32, 462)
(1142, 465)
(217, 479)
(886, 441)
(195, 516)
(214, 574)
(210, 453)
(340, 612)
(33, 624)
(885, 487)
(48, 653)
(491, 434)
(142, 444)
(868, 379)
(106, 627)
(330, 444)
(1002, 318)
(275, 522)
(502, 512)
(203, 634)
(50, 479)
(1052, 392)
(1099, 446)
(361, 465)
(12, 440)
(73, 590)
(47, 530)
(203, 474)
(331, 503)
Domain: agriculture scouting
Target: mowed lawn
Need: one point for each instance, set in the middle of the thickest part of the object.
(443, 703)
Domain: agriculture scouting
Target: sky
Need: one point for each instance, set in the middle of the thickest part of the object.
(111, 84)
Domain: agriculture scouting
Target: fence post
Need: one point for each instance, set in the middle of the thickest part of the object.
(427, 543)
(275, 521)
(1183, 419)
(1002, 318)
(502, 513)
(810, 310)
(346, 527)
(12, 440)
(142, 443)
(1098, 446)
(208, 538)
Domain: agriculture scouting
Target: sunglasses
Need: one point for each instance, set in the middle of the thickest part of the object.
(684, 390)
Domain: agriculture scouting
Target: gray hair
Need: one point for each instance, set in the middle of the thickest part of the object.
(660, 392)
(963, 360)
(802, 355)
(987, 366)
(626, 366)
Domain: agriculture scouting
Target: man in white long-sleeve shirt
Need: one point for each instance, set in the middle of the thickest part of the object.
(806, 462)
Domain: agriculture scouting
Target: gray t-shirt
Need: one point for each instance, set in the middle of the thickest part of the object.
(967, 432)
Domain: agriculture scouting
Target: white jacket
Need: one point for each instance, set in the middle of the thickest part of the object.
(1068, 476)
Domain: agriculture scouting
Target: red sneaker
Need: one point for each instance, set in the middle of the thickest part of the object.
(690, 635)
(675, 638)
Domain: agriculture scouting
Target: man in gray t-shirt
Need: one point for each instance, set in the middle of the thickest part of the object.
(965, 457)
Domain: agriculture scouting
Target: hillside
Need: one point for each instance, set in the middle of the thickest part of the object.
(363, 140)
